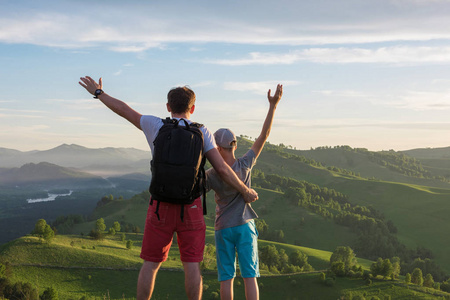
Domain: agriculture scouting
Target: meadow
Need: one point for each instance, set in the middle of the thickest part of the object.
(79, 267)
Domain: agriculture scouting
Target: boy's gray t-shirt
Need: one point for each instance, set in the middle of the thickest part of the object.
(231, 209)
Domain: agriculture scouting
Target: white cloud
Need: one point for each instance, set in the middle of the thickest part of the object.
(260, 87)
(343, 93)
(419, 101)
(138, 26)
(388, 55)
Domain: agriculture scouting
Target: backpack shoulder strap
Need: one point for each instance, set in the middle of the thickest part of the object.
(168, 120)
(196, 125)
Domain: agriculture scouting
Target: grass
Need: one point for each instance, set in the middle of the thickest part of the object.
(114, 284)
(420, 212)
(420, 215)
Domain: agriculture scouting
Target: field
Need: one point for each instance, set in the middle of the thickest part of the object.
(106, 269)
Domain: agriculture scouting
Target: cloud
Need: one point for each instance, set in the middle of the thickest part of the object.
(22, 113)
(343, 93)
(260, 87)
(361, 123)
(420, 101)
(389, 55)
(140, 26)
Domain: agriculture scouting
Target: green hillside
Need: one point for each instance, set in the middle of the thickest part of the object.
(80, 267)
(420, 212)
(404, 194)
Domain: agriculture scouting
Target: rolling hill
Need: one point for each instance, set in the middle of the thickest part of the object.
(408, 188)
(47, 174)
(102, 161)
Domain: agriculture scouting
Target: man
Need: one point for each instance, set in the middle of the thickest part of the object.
(235, 229)
(158, 232)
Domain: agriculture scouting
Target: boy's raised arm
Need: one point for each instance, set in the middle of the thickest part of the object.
(273, 102)
(116, 105)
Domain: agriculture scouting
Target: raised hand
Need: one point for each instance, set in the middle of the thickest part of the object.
(90, 85)
(273, 100)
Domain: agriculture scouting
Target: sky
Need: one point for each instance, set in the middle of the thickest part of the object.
(368, 74)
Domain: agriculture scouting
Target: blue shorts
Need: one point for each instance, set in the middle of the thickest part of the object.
(242, 239)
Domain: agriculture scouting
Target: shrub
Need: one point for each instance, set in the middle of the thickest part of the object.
(50, 293)
(129, 244)
(329, 281)
(96, 234)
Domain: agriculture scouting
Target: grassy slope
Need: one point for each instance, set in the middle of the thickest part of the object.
(360, 163)
(419, 212)
(101, 276)
(169, 285)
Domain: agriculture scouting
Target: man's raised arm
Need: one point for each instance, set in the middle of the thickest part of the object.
(228, 175)
(273, 102)
(116, 105)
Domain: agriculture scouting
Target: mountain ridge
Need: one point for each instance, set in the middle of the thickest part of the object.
(98, 161)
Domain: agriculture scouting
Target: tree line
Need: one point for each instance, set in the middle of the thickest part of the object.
(394, 161)
(343, 263)
(376, 236)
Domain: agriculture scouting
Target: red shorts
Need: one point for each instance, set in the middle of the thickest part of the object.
(158, 234)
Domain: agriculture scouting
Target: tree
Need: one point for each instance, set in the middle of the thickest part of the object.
(50, 293)
(262, 227)
(417, 277)
(428, 281)
(209, 257)
(345, 255)
(39, 227)
(395, 267)
(386, 268)
(100, 224)
(21, 290)
(129, 244)
(298, 258)
(408, 278)
(116, 226)
(2, 271)
(112, 231)
(376, 267)
(283, 259)
(338, 268)
(96, 234)
(136, 229)
(269, 255)
(48, 234)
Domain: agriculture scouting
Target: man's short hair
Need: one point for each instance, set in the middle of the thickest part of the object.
(181, 99)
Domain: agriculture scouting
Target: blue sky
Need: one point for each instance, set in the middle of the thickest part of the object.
(372, 74)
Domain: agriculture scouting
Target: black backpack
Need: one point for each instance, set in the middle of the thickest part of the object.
(177, 166)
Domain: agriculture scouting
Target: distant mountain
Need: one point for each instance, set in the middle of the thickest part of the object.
(435, 160)
(429, 153)
(48, 175)
(395, 166)
(102, 161)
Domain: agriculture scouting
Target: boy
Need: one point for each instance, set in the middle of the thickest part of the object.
(234, 225)
(159, 231)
